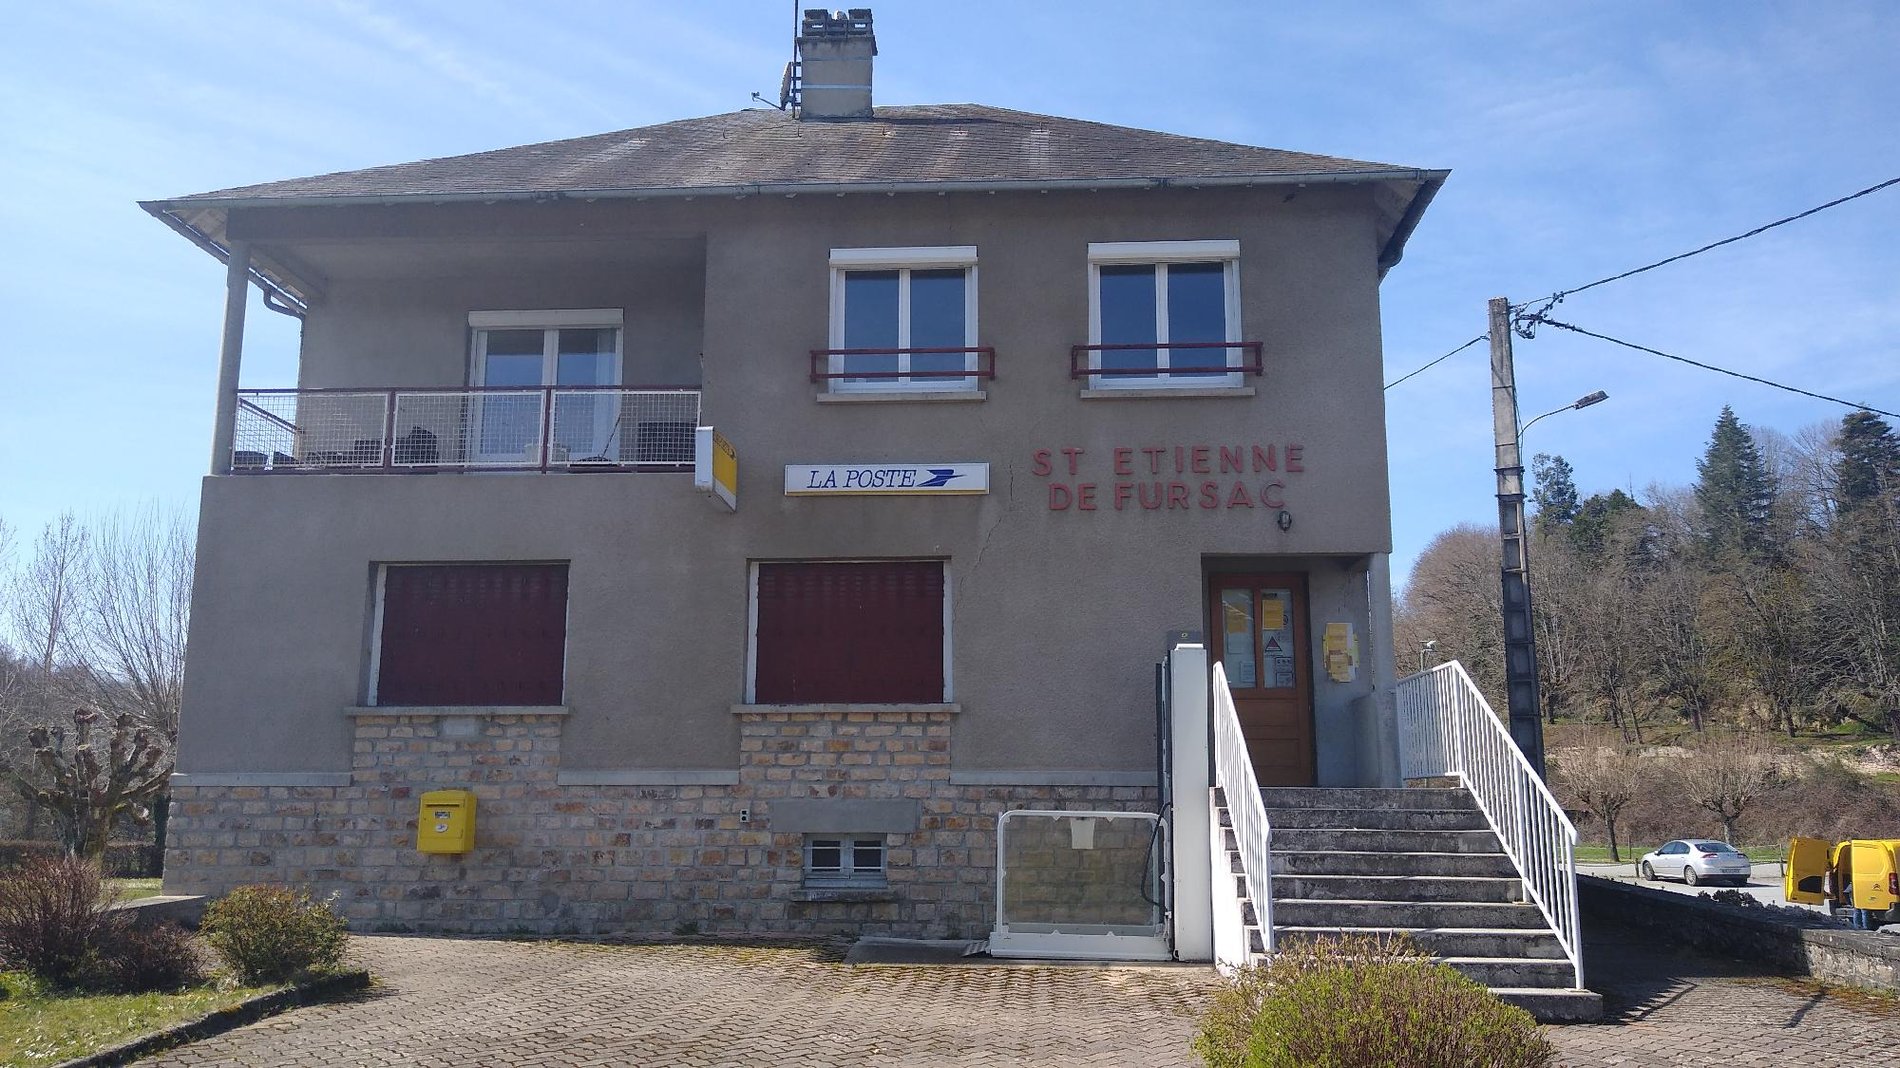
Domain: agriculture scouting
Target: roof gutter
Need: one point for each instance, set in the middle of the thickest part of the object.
(1394, 249)
(276, 297)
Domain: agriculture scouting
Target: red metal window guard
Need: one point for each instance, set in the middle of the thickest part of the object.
(985, 363)
(1253, 364)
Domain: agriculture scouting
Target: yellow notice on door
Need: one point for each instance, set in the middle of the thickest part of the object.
(1272, 613)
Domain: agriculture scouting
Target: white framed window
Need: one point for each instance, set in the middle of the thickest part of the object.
(515, 355)
(1164, 314)
(894, 311)
(845, 862)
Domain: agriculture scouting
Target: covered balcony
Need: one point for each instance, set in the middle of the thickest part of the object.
(488, 428)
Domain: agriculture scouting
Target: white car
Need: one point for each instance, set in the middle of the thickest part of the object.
(1696, 861)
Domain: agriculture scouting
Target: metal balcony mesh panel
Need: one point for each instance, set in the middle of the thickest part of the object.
(1091, 871)
(530, 427)
(277, 429)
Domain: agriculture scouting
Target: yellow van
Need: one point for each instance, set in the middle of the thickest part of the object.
(1862, 874)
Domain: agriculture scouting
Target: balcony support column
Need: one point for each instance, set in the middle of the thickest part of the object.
(237, 286)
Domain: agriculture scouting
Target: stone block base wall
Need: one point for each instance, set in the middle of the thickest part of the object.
(554, 859)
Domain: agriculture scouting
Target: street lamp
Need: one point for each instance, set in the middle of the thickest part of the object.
(1581, 402)
(1423, 648)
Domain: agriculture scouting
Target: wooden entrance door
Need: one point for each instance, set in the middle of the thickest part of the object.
(1257, 630)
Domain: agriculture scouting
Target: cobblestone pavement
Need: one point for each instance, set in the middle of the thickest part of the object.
(451, 1002)
(1669, 1006)
(455, 1002)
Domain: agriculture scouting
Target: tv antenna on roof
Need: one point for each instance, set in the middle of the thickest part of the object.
(788, 81)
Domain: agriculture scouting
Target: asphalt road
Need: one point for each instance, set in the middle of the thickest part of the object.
(1764, 883)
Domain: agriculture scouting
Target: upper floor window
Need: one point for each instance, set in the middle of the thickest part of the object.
(903, 319)
(1164, 314)
(517, 353)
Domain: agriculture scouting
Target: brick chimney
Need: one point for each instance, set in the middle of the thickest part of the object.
(835, 49)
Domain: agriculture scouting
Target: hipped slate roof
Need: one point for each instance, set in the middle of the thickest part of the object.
(942, 147)
(933, 145)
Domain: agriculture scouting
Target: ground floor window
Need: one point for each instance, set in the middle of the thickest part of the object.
(869, 632)
(471, 634)
(844, 862)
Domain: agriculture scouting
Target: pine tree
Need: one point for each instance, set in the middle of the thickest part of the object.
(1870, 461)
(1556, 493)
(1735, 493)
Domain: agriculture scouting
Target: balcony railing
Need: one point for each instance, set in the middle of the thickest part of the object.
(529, 428)
(1184, 359)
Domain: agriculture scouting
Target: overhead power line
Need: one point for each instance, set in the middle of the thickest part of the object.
(1557, 297)
(1542, 320)
(1436, 362)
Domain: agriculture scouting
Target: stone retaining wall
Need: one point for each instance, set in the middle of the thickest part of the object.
(603, 859)
(1860, 958)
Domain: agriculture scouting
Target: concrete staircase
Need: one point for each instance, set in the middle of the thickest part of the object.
(1423, 862)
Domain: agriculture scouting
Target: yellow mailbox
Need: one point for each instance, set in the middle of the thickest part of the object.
(446, 823)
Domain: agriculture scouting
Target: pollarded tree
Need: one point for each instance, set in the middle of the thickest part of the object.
(1724, 775)
(1734, 494)
(89, 790)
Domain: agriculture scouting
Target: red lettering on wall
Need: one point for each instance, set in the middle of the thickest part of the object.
(1201, 461)
(1234, 459)
(1263, 459)
(1155, 452)
(1071, 452)
(1124, 461)
(1177, 495)
(1180, 460)
(1039, 463)
(1123, 491)
(1085, 497)
(1150, 503)
(1059, 496)
(1239, 498)
(1270, 494)
(1295, 457)
(1210, 495)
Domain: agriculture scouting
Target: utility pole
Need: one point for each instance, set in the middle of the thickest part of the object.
(1520, 643)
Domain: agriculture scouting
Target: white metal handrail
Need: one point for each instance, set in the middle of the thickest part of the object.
(1447, 728)
(1234, 775)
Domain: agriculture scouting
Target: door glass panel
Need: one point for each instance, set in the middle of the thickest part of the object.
(583, 422)
(511, 422)
(1237, 656)
(1278, 666)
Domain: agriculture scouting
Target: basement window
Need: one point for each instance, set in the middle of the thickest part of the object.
(844, 863)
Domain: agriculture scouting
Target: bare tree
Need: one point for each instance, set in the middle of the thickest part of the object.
(137, 607)
(1603, 774)
(44, 603)
(1724, 774)
(1454, 598)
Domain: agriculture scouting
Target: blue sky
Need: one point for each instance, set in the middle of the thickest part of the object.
(1584, 138)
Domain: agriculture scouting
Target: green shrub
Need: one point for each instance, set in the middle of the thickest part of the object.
(269, 934)
(1360, 1002)
(52, 920)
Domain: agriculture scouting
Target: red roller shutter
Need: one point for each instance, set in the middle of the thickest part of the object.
(861, 633)
(473, 634)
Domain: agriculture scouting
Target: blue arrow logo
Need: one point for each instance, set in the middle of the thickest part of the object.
(939, 476)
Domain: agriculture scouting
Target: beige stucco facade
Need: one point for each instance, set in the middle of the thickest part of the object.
(1057, 614)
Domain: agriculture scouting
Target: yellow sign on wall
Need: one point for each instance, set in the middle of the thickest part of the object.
(1340, 649)
(716, 466)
